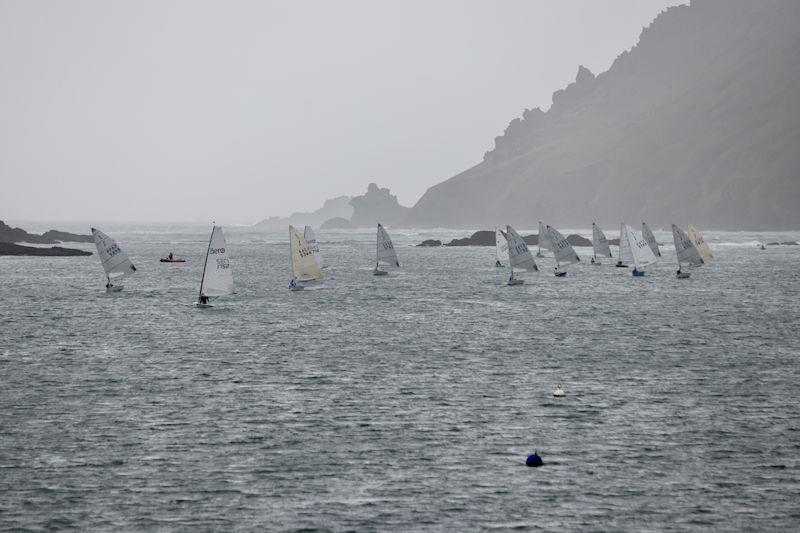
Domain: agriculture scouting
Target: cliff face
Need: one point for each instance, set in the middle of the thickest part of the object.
(332, 208)
(700, 122)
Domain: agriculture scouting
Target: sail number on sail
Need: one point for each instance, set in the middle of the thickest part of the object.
(521, 247)
(113, 250)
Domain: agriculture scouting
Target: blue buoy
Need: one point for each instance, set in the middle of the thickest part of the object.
(534, 460)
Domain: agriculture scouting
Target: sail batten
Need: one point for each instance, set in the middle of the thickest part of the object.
(304, 261)
(217, 272)
(519, 256)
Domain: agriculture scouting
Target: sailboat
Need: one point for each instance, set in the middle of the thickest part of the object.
(640, 251)
(686, 251)
(311, 239)
(562, 250)
(500, 247)
(113, 259)
(542, 241)
(701, 245)
(518, 256)
(625, 255)
(304, 262)
(217, 277)
(651, 240)
(599, 245)
(385, 253)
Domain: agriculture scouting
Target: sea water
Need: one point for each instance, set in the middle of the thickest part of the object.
(407, 401)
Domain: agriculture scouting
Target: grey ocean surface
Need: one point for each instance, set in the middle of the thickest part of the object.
(405, 402)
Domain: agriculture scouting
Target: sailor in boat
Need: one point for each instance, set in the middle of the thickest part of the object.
(292, 283)
(170, 256)
(592, 261)
(203, 300)
(109, 284)
(498, 263)
(621, 264)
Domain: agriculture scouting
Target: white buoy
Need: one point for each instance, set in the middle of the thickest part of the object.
(558, 392)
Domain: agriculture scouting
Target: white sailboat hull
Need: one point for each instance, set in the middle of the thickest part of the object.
(513, 282)
(683, 275)
(377, 272)
(115, 288)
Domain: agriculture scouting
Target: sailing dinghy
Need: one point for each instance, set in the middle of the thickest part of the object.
(311, 239)
(700, 243)
(542, 242)
(304, 262)
(640, 251)
(115, 262)
(217, 277)
(519, 256)
(651, 240)
(562, 250)
(385, 253)
(500, 247)
(686, 251)
(625, 255)
(599, 245)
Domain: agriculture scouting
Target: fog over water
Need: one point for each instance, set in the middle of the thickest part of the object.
(189, 110)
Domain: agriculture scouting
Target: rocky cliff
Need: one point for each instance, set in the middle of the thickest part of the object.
(699, 122)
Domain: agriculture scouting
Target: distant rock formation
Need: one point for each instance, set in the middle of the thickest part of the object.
(9, 234)
(377, 205)
(430, 243)
(338, 207)
(487, 238)
(696, 123)
(7, 248)
(336, 223)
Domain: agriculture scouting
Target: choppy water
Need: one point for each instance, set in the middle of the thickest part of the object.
(408, 402)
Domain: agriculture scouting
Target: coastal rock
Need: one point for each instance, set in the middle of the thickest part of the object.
(8, 248)
(336, 223)
(338, 207)
(430, 243)
(377, 205)
(65, 236)
(9, 234)
(479, 238)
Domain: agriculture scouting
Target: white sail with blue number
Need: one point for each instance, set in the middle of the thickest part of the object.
(519, 257)
(385, 250)
(217, 272)
(114, 260)
(562, 249)
(641, 253)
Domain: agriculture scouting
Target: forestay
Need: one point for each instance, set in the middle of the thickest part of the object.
(311, 239)
(304, 262)
(386, 253)
(599, 242)
(217, 272)
(113, 259)
(500, 245)
(700, 243)
(651, 240)
(625, 254)
(562, 249)
(642, 254)
(685, 249)
(519, 256)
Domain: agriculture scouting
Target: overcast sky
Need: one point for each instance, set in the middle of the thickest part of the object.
(234, 110)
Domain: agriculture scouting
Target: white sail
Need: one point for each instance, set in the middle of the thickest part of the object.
(519, 256)
(386, 253)
(625, 254)
(599, 242)
(651, 240)
(542, 240)
(562, 249)
(217, 272)
(500, 245)
(311, 239)
(685, 249)
(701, 245)
(642, 254)
(113, 259)
(304, 262)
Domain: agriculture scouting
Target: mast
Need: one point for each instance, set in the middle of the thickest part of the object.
(205, 263)
(619, 250)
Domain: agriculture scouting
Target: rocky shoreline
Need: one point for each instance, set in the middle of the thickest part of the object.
(486, 238)
(9, 248)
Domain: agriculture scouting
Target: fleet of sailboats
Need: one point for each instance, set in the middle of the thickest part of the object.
(116, 263)
(217, 277)
(638, 249)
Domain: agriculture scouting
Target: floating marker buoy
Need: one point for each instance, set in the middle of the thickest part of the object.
(558, 392)
(534, 460)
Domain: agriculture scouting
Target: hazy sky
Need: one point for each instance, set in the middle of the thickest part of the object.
(233, 111)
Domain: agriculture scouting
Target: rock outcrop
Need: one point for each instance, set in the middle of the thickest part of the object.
(377, 205)
(8, 248)
(338, 207)
(9, 234)
(336, 223)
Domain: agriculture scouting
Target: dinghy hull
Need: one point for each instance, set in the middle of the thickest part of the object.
(114, 288)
